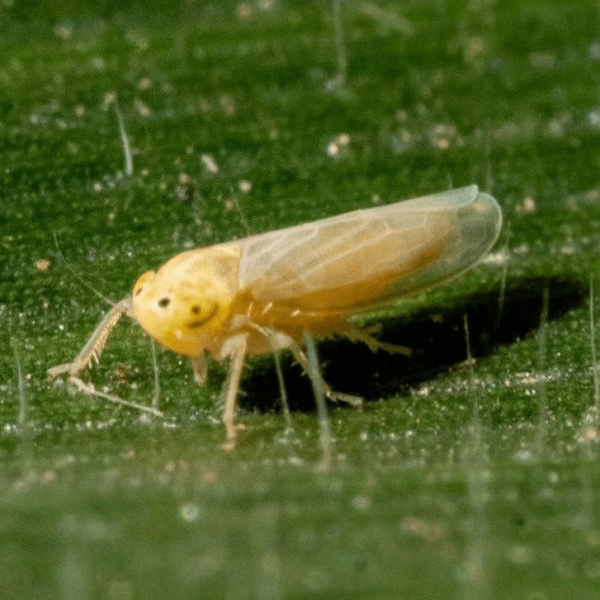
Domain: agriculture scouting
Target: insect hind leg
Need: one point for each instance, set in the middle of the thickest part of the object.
(281, 341)
(358, 334)
(300, 356)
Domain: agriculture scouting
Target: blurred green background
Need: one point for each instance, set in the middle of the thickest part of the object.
(456, 481)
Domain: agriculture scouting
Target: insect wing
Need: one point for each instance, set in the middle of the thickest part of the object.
(367, 257)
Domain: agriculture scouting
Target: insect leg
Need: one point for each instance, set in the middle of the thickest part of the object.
(282, 341)
(92, 351)
(355, 401)
(358, 334)
(200, 367)
(235, 349)
(89, 390)
(95, 344)
(278, 341)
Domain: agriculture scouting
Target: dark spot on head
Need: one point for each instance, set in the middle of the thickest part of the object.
(139, 291)
(203, 319)
(195, 309)
(164, 302)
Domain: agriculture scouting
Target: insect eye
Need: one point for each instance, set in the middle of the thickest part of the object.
(138, 291)
(164, 302)
(195, 309)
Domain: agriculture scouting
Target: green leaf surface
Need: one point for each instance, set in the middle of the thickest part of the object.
(461, 478)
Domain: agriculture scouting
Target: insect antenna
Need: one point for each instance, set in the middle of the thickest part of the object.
(80, 279)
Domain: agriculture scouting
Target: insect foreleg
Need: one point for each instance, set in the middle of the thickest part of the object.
(92, 351)
(95, 344)
(90, 390)
(234, 348)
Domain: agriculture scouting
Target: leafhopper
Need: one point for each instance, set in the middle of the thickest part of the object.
(263, 293)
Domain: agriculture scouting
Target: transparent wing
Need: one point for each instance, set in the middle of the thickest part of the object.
(367, 257)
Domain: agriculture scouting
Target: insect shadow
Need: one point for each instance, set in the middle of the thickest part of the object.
(437, 338)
